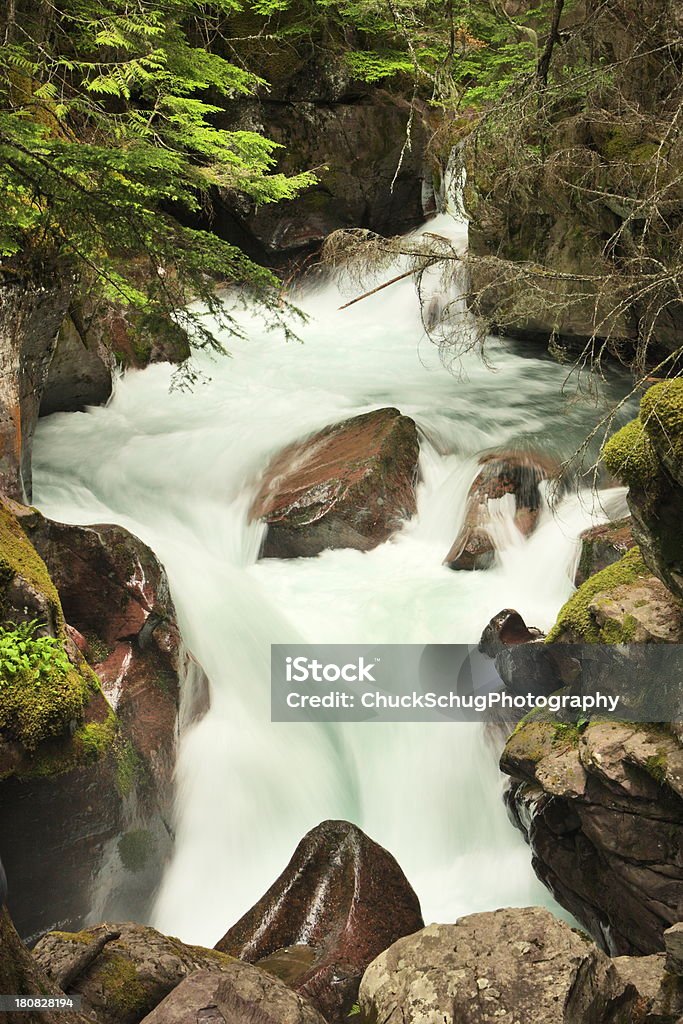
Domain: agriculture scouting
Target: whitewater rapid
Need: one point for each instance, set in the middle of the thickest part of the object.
(180, 469)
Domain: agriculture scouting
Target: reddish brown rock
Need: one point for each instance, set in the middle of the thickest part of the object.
(602, 546)
(350, 485)
(342, 896)
(107, 787)
(515, 473)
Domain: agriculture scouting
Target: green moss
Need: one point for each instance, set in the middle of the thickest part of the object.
(614, 632)
(566, 732)
(127, 767)
(18, 557)
(630, 456)
(41, 692)
(575, 615)
(98, 651)
(661, 412)
(136, 848)
(656, 766)
(125, 994)
(83, 938)
(93, 740)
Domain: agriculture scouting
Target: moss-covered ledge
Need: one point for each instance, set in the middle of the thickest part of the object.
(53, 715)
(647, 455)
(623, 603)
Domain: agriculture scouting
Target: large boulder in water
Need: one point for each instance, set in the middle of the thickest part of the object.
(517, 474)
(340, 901)
(349, 486)
(122, 971)
(240, 995)
(514, 965)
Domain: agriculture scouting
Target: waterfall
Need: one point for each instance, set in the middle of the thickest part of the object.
(180, 470)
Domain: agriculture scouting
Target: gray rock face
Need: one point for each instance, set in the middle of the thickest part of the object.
(673, 943)
(660, 993)
(603, 813)
(79, 374)
(509, 966)
(131, 974)
(30, 315)
(20, 975)
(241, 994)
(353, 134)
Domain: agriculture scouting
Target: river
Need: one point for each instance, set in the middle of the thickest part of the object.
(180, 469)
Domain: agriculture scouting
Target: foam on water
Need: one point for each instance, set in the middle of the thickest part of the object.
(180, 470)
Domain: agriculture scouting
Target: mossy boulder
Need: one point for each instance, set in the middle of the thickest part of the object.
(89, 748)
(350, 485)
(46, 686)
(647, 454)
(132, 973)
(623, 603)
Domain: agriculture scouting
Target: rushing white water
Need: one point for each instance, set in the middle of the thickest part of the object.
(180, 469)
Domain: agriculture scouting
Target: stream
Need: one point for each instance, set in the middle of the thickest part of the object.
(180, 469)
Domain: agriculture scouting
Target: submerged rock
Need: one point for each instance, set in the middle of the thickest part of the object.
(509, 965)
(241, 994)
(602, 808)
(517, 474)
(130, 974)
(342, 896)
(350, 485)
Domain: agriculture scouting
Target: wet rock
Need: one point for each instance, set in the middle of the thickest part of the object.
(241, 993)
(602, 546)
(367, 904)
(105, 782)
(30, 316)
(523, 661)
(130, 975)
(21, 975)
(115, 593)
(508, 965)
(602, 808)
(350, 485)
(507, 629)
(513, 474)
